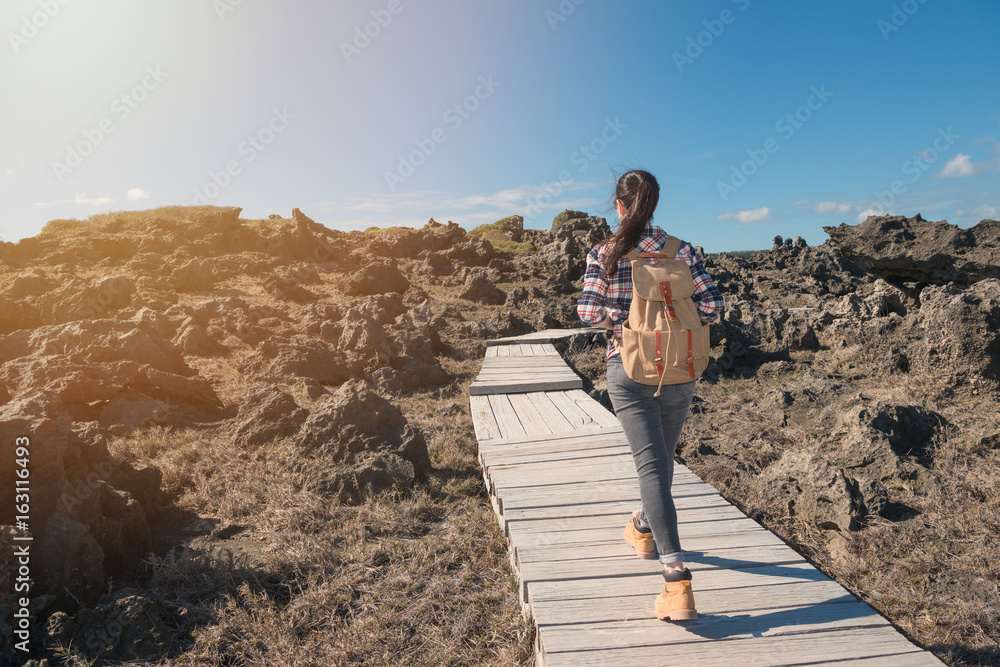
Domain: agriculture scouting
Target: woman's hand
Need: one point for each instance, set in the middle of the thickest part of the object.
(607, 323)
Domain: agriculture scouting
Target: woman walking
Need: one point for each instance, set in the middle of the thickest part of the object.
(652, 417)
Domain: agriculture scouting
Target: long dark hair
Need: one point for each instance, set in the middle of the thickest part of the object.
(639, 193)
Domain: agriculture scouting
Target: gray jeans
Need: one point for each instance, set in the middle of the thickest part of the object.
(652, 427)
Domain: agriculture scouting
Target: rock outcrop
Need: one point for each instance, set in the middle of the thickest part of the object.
(913, 249)
(358, 443)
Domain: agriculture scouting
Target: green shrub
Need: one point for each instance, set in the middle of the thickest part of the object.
(504, 234)
(62, 227)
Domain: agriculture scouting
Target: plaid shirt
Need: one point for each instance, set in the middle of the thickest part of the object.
(602, 296)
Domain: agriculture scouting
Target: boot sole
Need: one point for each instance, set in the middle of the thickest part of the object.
(678, 615)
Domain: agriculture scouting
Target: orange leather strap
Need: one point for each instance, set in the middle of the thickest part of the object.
(668, 299)
(659, 356)
(691, 353)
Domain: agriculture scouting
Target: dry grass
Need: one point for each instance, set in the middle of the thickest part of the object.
(417, 578)
(935, 575)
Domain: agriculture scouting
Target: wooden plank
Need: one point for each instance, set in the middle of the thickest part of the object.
(581, 464)
(505, 416)
(545, 335)
(578, 438)
(540, 350)
(609, 527)
(715, 547)
(757, 578)
(688, 506)
(570, 410)
(597, 412)
(478, 389)
(915, 659)
(627, 565)
(528, 414)
(626, 490)
(552, 415)
(483, 421)
(711, 602)
(632, 645)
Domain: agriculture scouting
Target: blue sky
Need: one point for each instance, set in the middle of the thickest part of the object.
(758, 118)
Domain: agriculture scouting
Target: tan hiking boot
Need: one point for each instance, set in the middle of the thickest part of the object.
(676, 602)
(640, 540)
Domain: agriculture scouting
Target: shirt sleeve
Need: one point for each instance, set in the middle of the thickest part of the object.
(593, 305)
(706, 295)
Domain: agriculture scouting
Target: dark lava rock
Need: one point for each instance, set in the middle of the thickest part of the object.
(900, 249)
(375, 278)
(358, 443)
(811, 487)
(479, 288)
(266, 414)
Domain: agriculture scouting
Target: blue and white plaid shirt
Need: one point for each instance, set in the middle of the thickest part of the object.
(602, 295)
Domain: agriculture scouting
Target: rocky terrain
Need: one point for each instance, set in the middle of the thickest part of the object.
(250, 439)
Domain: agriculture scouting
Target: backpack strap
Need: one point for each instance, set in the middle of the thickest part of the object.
(669, 251)
(632, 255)
(672, 246)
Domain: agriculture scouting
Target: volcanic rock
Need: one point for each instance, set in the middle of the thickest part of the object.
(903, 249)
(267, 413)
(811, 487)
(479, 288)
(375, 278)
(358, 443)
(124, 627)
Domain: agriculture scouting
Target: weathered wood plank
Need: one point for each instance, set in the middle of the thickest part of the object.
(711, 602)
(483, 420)
(596, 411)
(626, 490)
(632, 645)
(609, 527)
(505, 416)
(478, 389)
(714, 547)
(570, 410)
(699, 509)
(528, 414)
(627, 565)
(551, 414)
(545, 335)
(760, 579)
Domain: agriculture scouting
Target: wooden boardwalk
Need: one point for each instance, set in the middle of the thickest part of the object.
(563, 485)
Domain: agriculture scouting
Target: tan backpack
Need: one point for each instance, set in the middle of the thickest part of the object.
(663, 340)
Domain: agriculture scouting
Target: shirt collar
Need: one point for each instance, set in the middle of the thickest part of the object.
(652, 239)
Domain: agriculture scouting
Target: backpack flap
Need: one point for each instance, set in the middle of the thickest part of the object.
(668, 286)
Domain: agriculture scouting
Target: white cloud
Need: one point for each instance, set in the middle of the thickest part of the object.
(832, 207)
(95, 201)
(985, 212)
(79, 199)
(873, 211)
(136, 194)
(748, 216)
(959, 166)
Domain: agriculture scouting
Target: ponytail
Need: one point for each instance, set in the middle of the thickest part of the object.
(639, 193)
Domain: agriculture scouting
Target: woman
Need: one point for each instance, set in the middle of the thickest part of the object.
(652, 424)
